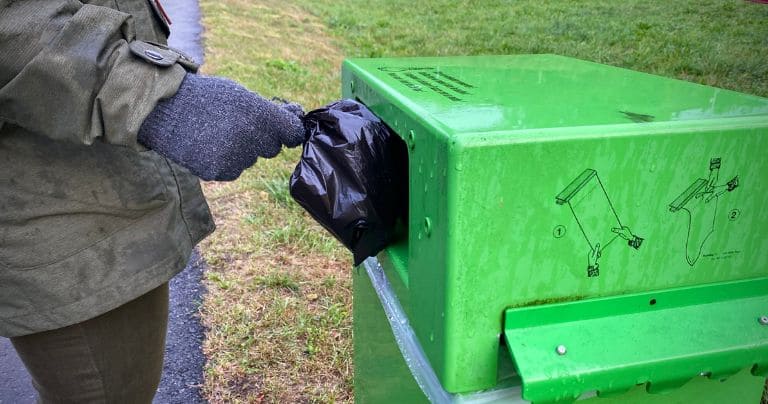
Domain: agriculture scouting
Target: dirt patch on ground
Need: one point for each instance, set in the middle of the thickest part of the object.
(278, 307)
(279, 317)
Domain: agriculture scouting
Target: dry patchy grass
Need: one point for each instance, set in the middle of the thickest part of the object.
(272, 47)
(279, 303)
(765, 394)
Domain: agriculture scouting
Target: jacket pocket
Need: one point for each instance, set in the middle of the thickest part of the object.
(194, 209)
(59, 199)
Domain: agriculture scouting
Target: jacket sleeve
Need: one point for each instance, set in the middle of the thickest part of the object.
(74, 72)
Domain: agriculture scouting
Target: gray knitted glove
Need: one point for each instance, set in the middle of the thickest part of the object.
(216, 128)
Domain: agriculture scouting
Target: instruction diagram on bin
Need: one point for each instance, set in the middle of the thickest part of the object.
(591, 205)
(699, 204)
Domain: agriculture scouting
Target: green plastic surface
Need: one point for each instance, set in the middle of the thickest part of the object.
(537, 179)
(658, 339)
(382, 376)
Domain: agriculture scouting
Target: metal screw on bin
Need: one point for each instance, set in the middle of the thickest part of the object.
(763, 320)
(561, 350)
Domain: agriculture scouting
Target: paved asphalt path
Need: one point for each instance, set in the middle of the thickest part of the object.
(15, 386)
(184, 360)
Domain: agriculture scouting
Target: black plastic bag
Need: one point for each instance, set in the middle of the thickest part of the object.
(352, 177)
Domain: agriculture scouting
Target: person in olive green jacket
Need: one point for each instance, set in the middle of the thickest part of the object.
(104, 132)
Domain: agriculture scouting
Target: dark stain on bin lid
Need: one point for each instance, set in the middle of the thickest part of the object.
(638, 118)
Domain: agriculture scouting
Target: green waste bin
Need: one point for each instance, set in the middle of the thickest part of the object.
(576, 232)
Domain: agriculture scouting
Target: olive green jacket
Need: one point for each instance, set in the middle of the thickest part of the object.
(89, 219)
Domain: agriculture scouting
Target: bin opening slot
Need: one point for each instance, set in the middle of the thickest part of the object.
(401, 185)
(396, 253)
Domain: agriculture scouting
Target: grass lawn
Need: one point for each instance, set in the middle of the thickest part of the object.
(279, 301)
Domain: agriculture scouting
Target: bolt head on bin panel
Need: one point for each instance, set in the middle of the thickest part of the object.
(540, 179)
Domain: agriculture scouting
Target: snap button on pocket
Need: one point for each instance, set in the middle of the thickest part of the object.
(157, 55)
(162, 55)
(154, 55)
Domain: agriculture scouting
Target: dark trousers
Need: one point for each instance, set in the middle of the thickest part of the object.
(116, 357)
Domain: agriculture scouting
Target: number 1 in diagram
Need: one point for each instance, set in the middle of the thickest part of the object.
(596, 217)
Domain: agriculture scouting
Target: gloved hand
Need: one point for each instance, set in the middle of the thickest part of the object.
(216, 128)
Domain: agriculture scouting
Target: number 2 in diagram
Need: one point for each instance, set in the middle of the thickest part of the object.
(596, 217)
(699, 202)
